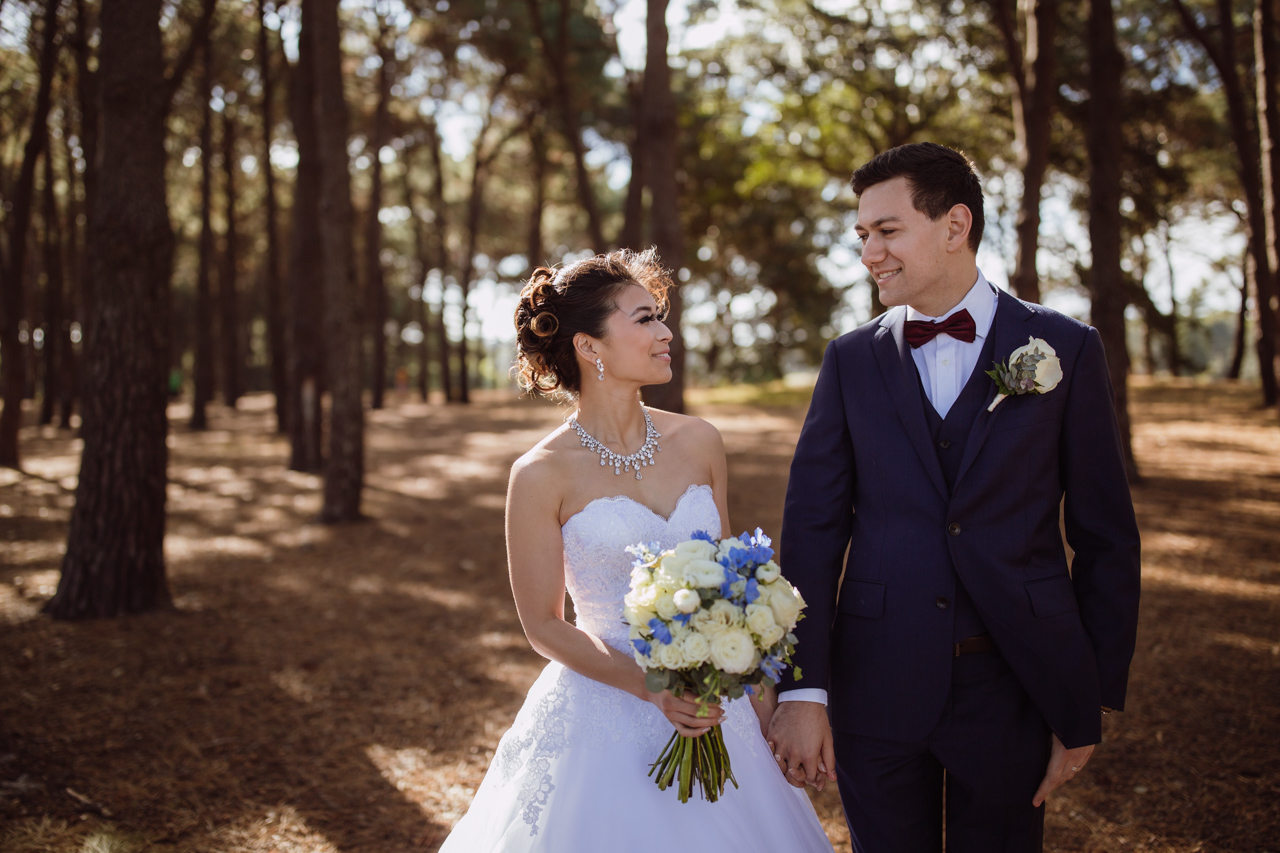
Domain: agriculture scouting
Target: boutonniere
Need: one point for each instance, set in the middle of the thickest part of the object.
(1032, 369)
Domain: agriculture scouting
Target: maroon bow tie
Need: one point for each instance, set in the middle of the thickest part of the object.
(959, 325)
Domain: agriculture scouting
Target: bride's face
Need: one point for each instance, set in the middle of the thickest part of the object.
(637, 344)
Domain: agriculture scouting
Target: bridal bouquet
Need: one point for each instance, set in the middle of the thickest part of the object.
(713, 617)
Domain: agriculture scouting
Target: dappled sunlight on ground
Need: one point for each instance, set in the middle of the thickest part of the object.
(330, 689)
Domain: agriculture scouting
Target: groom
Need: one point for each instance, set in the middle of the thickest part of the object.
(953, 648)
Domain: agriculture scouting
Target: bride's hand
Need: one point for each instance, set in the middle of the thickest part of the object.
(682, 712)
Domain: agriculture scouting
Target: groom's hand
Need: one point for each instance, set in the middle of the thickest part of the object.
(1064, 764)
(800, 736)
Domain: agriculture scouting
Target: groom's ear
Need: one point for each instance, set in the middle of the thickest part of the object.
(959, 222)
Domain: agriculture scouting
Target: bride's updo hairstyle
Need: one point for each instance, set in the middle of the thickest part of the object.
(556, 305)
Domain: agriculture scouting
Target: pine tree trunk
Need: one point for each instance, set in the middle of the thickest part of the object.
(1106, 279)
(375, 284)
(344, 464)
(632, 236)
(202, 368)
(1242, 324)
(442, 263)
(538, 175)
(305, 297)
(665, 221)
(232, 345)
(13, 355)
(276, 329)
(114, 562)
(87, 98)
(72, 263)
(55, 333)
(1267, 62)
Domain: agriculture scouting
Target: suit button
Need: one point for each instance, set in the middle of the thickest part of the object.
(944, 444)
(943, 602)
(953, 529)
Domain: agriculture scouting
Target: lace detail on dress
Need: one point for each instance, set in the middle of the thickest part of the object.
(575, 710)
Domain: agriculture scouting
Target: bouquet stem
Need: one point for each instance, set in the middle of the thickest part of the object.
(686, 760)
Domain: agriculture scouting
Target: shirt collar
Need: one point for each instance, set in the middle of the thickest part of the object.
(980, 302)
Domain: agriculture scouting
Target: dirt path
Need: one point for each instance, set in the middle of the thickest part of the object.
(342, 689)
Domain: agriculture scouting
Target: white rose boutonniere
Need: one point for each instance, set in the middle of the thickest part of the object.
(1032, 369)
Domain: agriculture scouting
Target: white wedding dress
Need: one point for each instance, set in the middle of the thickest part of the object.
(571, 774)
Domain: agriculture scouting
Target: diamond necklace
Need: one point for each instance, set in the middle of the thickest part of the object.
(643, 456)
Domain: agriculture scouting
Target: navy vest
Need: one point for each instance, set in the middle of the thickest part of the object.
(950, 435)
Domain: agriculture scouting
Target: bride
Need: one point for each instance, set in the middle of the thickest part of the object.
(571, 775)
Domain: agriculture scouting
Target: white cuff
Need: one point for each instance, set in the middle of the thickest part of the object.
(804, 694)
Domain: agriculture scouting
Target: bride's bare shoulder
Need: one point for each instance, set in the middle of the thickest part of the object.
(543, 465)
(692, 430)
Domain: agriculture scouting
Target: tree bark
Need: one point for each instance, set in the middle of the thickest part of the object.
(375, 285)
(55, 331)
(1242, 323)
(1248, 164)
(420, 303)
(72, 264)
(304, 296)
(538, 175)
(87, 98)
(272, 282)
(202, 367)
(1267, 62)
(1106, 279)
(232, 344)
(632, 236)
(114, 562)
(1034, 65)
(344, 464)
(442, 262)
(665, 222)
(13, 355)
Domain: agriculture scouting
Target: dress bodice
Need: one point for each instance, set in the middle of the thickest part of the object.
(597, 567)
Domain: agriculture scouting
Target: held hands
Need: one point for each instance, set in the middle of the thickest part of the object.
(682, 712)
(800, 736)
(1064, 764)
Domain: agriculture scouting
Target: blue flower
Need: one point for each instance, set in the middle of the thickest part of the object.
(641, 646)
(760, 538)
(730, 578)
(703, 535)
(772, 667)
(682, 618)
(660, 631)
(752, 591)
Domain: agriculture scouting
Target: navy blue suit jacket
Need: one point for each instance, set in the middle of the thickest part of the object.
(866, 481)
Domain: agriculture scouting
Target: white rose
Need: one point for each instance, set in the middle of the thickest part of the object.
(640, 575)
(669, 655)
(785, 601)
(697, 549)
(638, 604)
(769, 572)
(704, 573)
(670, 570)
(727, 545)
(720, 616)
(687, 600)
(696, 649)
(733, 651)
(760, 619)
(1048, 371)
(666, 606)
(770, 638)
(727, 612)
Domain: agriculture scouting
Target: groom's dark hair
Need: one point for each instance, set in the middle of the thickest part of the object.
(940, 178)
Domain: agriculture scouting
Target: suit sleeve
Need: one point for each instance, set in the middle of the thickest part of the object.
(817, 522)
(1099, 520)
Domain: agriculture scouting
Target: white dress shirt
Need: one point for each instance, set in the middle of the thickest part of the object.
(945, 365)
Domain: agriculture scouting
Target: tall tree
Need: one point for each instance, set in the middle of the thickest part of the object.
(305, 299)
(440, 230)
(13, 363)
(203, 362)
(114, 562)
(1249, 165)
(1032, 61)
(344, 464)
(55, 337)
(1106, 280)
(229, 330)
(375, 285)
(271, 280)
(1266, 49)
(666, 224)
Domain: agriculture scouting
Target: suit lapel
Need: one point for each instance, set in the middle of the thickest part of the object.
(1008, 331)
(900, 375)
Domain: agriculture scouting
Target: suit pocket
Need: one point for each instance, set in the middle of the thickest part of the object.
(1052, 596)
(862, 598)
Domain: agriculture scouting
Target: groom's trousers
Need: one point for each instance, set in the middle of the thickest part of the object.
(980, 766)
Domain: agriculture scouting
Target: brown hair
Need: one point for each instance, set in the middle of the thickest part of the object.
(940, 178)
(556, 305)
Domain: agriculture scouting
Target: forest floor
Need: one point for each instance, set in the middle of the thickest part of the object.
(343, 688)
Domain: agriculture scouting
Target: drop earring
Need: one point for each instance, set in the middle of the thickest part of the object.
(600, 370)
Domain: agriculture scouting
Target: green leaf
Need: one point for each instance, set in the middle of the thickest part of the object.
(655, 681)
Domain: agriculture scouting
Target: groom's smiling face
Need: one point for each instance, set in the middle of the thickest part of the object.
(907, 253)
